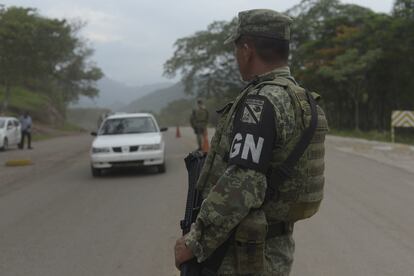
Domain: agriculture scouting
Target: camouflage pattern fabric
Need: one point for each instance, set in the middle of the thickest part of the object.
(262, 22)
(199, 118)
(199, 121)
(231, 192)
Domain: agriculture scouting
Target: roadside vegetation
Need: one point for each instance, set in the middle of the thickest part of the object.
(22, 99)
(85, 118)
(44, 66)
(44, 132)
(360, 61)
(404, 136)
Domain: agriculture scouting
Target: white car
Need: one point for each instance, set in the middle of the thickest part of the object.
(10, 132)
(128, 140)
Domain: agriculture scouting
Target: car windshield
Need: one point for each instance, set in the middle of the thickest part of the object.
(128, 126)
(2, 123)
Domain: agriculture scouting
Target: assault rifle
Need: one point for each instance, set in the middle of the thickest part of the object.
(194, 163)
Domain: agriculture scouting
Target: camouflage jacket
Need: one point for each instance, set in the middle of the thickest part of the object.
(231, 191)
(199, 118)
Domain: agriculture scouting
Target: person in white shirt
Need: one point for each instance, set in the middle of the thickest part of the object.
(26, 123)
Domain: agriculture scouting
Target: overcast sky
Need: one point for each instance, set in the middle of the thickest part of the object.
(133, 38)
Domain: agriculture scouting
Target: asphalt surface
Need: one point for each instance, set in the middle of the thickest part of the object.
(56, 220)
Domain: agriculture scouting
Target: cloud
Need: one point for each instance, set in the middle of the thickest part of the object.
(102, 37)
(101, 27)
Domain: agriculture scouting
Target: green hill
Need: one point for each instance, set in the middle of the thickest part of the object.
(158, 99)
(116, 95)
(86, 118)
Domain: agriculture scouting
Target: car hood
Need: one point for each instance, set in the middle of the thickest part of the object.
(127, 140)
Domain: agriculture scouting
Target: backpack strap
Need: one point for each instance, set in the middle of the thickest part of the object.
(286, 169)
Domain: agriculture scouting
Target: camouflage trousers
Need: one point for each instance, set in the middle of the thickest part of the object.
(199, 132)
(278, 258)
(199, 140)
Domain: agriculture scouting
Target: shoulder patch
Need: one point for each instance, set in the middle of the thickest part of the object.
(252, 112)
(253, 134)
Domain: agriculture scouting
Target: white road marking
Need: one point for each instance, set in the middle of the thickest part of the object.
(383, 148)
(345, 149)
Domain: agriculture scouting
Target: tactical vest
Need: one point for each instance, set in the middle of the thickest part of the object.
(300, 195)
(200, 116)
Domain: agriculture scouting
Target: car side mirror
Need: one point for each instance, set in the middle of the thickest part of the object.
(163, 129)
(93, 133)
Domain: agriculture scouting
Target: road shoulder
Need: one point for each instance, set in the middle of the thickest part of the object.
(46, 156)
(395, 155)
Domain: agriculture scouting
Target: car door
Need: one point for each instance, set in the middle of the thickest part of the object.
(10, 132)
(17, 131)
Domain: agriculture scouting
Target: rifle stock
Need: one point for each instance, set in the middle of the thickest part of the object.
(194, 163)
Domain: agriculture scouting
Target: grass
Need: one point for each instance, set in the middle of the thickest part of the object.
(22, 99)
(69, 127)
(403, 136)
(41, 137)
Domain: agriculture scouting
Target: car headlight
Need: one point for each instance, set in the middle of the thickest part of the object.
(151, 147)
(101, 150)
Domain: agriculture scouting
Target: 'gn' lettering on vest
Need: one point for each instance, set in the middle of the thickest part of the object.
(235, 147)
(249, 147)
(255, 150)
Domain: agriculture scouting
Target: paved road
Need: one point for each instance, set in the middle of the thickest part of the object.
(59, 221)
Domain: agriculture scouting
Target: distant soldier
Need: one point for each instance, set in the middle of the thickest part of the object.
(199, 121)
(26, 128)
(265, 169)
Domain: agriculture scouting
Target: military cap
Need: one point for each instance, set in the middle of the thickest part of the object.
(262, 23)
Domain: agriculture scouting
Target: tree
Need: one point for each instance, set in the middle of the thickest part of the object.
(176, 113)
(44, 53)
(359, 61)
(349, 71)
(16, 37)
(207, 66)
(404, 8)
(340, 60)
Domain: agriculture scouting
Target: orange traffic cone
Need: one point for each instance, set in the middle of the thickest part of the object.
(206, 145)
(178, 133)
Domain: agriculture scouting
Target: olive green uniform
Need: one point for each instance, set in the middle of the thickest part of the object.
(199, 121)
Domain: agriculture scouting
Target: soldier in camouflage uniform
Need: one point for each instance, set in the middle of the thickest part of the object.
(199, 121)
(255, 134)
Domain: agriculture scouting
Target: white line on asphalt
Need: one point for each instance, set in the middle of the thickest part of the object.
(383, 148)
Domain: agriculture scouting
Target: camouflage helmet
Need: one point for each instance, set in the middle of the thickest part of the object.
(262, 23)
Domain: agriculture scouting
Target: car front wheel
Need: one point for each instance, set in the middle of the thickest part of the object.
(5, 144)
(161, 168)
(96, 172)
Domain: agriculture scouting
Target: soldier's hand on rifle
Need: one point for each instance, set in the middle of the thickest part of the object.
(182, 252)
